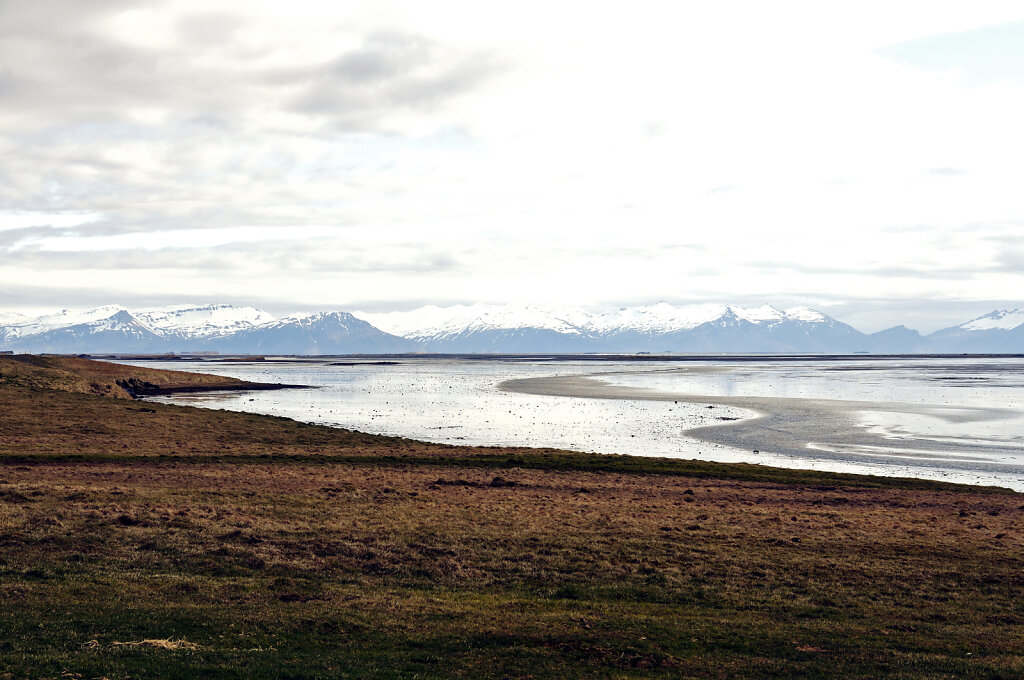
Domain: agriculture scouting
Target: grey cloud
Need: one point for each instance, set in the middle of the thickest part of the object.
(11, 86)
(18, 16)
(60, 75)
(318, 256)
(311, 256)
(383, 57)
(1011, 259)
(120, 260)
(387, 70)
(204, 30)
(50, 23)
(11, 237)
(209, 155)
(84, 296)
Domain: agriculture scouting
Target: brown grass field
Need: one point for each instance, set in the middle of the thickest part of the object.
(145, 540)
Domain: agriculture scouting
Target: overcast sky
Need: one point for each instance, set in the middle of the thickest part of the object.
(867, 161)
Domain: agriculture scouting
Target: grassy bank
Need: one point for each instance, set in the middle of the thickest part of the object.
(148, 540)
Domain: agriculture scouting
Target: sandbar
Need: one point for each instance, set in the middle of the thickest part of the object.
(822, 429)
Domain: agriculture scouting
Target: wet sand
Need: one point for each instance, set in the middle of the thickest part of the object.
(820, 429)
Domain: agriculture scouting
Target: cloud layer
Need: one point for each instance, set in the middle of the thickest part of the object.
(378, 155)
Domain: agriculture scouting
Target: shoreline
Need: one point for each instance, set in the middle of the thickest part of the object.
(853, 437)
(158, 391)
(823, 430)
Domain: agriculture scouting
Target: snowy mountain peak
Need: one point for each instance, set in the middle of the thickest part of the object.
(202, 321)
(1004, 319)
(806, 314)
(658, 317)
(521, 316)
(482, 327)
(663, 317)
(319, 333)
(11, 318)
(434, 321)
(62, 319)
(120, 320)
(757, 314)
(314, 318)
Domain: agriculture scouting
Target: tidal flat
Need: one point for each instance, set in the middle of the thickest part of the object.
(957, 419)
(146, 539)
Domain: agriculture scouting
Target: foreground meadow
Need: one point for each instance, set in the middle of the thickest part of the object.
(158, 541)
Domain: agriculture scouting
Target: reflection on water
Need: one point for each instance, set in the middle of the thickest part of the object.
(976, 427)
(933, 455)
(962, 399)
(959, 382)
(458, 402)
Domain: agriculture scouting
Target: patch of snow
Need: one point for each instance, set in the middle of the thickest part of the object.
(11, 318)
(658, 318)
(120, 321)
(1003, 319)
(528, 316)
(433, 321)
(806, 314)
(759, 314)
(202, 321)
(311, 319)
(62, 319)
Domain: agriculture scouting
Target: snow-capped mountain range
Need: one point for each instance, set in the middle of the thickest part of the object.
(655, 328)
(196, 328)
(483, 328)
(187, 321)
(432, 321)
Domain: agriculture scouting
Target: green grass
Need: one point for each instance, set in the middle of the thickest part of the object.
(560, 461)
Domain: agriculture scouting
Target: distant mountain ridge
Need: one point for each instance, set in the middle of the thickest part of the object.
(197, 328)
(655, 328)
(1001, 330)
(483, 328)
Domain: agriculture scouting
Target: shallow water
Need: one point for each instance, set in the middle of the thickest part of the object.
(973, 399)
(459, 402)
(948, 381)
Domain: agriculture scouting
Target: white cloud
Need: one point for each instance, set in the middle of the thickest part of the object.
(570, 153)
(10, 220)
